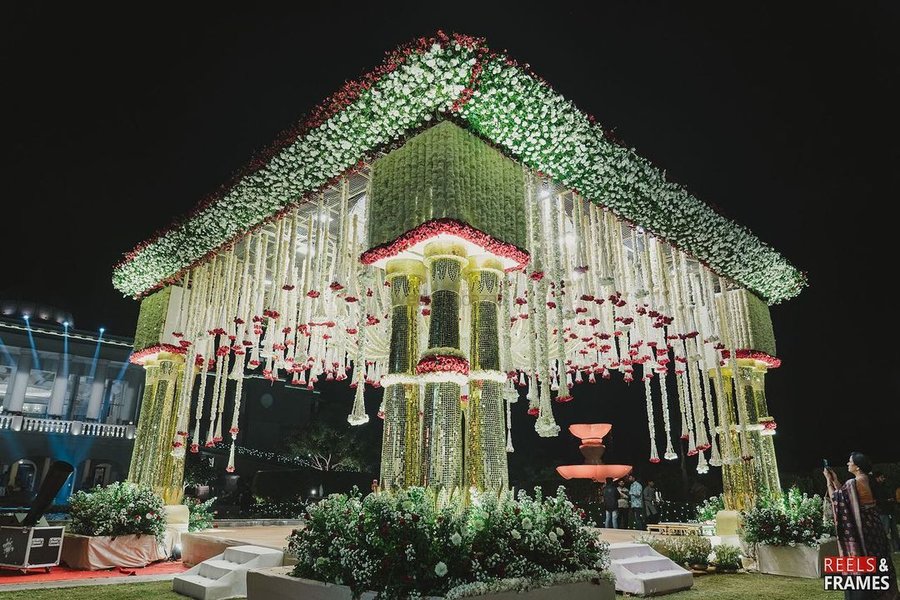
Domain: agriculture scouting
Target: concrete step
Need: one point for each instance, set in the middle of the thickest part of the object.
(195, 586)
(646, 564)
(642, 571)
(217, 568)
(243, 554)
(620, 550)
(225, 575)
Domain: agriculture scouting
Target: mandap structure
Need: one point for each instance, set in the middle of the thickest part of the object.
(450, 228)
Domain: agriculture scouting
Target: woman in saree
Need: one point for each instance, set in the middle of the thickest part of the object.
(859, 528)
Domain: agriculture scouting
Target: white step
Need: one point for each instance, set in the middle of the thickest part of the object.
(640, 570)
(242, 554)
(646, 564)
(225, 575)
(627, 549)
(195, 586)
(216, 568)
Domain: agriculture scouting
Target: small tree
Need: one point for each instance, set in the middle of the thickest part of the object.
(327, 447)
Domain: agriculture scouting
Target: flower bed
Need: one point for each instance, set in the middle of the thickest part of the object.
(792, 535)
(118, 509)
(403, 544)
(120, 525)
(795, 519)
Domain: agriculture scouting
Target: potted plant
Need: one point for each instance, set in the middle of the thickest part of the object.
(791, 535)
(696, 552)
(411, 544)
(120, 525)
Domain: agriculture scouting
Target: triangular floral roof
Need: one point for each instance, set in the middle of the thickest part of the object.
(458, 77)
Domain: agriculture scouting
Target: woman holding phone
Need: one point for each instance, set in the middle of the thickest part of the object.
(859, 528)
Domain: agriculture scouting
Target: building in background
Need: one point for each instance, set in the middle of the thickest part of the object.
(65, 394)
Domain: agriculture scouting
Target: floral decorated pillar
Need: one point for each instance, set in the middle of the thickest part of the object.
(401, 445)
(444, 370)
(152, 462)
(767, 466)
(485, 442)
(750, 468)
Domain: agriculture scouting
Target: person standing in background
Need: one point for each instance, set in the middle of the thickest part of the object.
(636, 500)
(886, 502)
(651, 505)
(611, 504)
(623, 503)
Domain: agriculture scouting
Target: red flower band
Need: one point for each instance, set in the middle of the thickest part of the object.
(142, 356)
(763, 357)
(441, 363)
(445, 226)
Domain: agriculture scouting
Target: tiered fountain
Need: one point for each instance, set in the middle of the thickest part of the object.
(591, 436)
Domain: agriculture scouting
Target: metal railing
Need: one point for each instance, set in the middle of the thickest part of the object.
(37, 425)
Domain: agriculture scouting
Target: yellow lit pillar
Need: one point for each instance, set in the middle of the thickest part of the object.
(766, 462)
(444, 370)
(738, 474)
(485, 443)
(152, 461)
(401, 443)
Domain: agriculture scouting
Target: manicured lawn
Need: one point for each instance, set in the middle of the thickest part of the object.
(742, 586)
(753, 586)
(124, 591)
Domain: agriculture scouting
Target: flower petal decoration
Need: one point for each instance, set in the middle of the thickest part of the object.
(458, 77)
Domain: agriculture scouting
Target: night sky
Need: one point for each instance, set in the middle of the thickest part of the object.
(115, 123)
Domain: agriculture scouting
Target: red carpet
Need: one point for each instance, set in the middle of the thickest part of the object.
(63, 573)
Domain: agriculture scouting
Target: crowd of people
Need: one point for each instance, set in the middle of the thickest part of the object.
(630, 504)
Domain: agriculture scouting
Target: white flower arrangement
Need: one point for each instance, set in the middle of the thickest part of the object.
(507, 105)
(404, 545)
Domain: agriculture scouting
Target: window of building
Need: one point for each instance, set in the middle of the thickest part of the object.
(82, 397)
(37, 394)
(5, 380)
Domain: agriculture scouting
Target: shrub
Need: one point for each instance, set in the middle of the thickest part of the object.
(117, 509)
(403, 544)
(793, 519)
(201, 514)
(682, 549)
(726, 557)
(707, 510)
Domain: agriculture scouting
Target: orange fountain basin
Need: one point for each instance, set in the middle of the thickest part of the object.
(593, 431)
(595, 472)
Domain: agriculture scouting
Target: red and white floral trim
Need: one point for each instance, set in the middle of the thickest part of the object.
(488, 375)
(398, 379)
(442, 363)
(142, 356)
(512, 255)
(763, 357)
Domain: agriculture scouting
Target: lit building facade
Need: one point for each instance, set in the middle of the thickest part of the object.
(66, 395)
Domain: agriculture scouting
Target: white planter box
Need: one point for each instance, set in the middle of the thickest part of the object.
(276, 584)
(92, 553)
(794, 561)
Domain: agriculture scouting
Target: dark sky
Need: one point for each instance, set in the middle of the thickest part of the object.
(784, 117)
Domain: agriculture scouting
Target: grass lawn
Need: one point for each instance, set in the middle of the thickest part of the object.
(742, 586)
(122, 591)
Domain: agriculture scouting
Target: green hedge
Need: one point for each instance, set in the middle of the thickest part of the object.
(447, 172)
(152, 319)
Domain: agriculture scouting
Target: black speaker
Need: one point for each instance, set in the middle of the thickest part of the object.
(53, 482)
